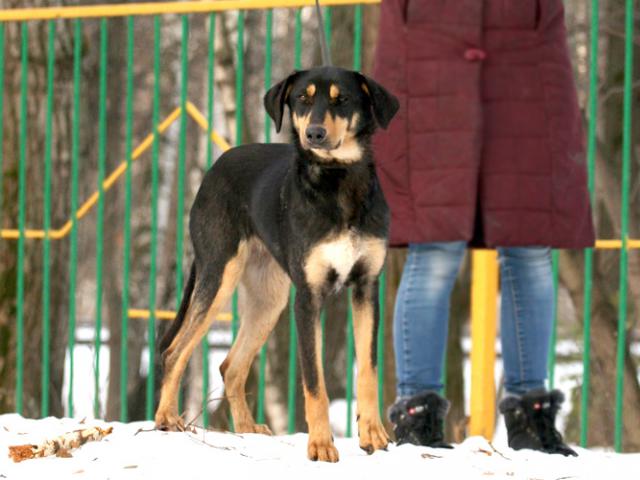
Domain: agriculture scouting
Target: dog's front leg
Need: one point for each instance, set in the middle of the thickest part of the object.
(307, 309)
(365, 313)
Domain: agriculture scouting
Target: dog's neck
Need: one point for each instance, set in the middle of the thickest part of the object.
(342, 189)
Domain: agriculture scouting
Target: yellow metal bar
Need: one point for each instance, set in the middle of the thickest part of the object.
(202, 121)
(617, 244)
(63, 231)
(159, 8)
(484, 290)
(57, 234)
(168, 315)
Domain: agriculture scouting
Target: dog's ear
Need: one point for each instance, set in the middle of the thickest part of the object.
(276, 97)
(384, 104)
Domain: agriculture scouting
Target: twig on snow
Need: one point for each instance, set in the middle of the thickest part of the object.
(430, 455)
(59, 446)
(497, 451)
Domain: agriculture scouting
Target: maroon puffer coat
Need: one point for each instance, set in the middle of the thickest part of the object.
(488, 145)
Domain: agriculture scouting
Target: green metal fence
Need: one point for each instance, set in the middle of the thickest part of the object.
(185, 110)
(47, 234)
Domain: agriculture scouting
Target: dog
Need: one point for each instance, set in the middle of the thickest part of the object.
(311, 213)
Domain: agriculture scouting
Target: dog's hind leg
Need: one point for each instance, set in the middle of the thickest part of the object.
(213, 289)
(263, 292)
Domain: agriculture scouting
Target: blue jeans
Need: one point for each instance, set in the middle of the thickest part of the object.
(421, 315)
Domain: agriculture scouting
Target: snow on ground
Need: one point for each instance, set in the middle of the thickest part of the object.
(132, 452)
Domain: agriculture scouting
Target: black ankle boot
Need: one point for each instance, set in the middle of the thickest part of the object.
(531, 419)
(419, 420)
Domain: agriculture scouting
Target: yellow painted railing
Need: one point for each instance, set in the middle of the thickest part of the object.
(156, 8)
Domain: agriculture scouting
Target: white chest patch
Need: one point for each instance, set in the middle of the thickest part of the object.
(340, 254)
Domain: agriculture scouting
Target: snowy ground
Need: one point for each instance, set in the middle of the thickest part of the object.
(132, 452)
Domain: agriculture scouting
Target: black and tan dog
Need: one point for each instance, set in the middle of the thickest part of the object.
(311, 213)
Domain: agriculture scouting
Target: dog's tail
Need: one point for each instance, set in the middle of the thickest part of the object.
(170, 334)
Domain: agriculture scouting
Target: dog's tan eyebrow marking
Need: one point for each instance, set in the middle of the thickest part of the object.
(311, 90)
(334, 91)
(365, 88)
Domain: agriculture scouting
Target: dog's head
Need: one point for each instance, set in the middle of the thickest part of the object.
(332, 110)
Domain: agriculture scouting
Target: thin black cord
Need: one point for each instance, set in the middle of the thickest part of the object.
(326, 54)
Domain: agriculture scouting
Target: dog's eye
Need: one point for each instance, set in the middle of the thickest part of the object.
(303, 97)
(340, 100)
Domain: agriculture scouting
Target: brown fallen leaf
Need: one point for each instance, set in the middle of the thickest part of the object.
(63, 453)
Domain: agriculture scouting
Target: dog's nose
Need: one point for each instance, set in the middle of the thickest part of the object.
(316, 134)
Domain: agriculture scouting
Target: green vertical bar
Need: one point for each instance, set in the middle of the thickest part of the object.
(239, 126)
(1, 109)
(46, 244)
(182, 142)
(293, 351)
(155, 177)
(240, 78)
(22, 198)
(588, 259)
(357, 47)
(102, 135)
(210, 85)
(261, 384)
(75, 167)
(357, 38)
(624, 220)
(327, 26)
(267, 138)
(382, 287)
(323, 313)
(551, 361)
(239, 111)
(350, 347)
(297, 61)
(268, 66)
(293, 346)
(124, 351)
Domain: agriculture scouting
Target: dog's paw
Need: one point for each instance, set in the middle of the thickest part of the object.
(169, 422)
(253, 428)
(322, 450)
(372, 435)
(263, 429)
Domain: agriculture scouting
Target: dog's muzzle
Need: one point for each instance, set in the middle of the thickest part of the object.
(316, 136)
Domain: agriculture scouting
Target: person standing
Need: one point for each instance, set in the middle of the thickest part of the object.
(487, 151)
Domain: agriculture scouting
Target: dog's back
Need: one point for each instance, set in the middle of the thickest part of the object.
(239, 197)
